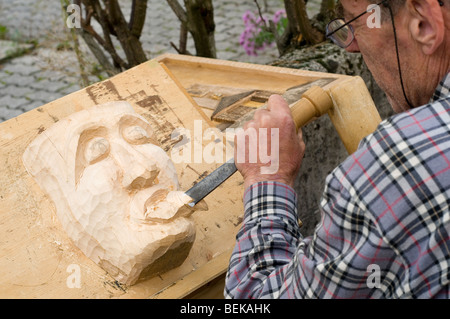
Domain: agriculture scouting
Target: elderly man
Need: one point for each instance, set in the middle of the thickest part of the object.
(385, 224)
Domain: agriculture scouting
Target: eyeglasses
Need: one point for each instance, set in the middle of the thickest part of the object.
(341, 32)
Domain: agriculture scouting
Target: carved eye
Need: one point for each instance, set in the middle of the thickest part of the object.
(96, 149)
(136, 135)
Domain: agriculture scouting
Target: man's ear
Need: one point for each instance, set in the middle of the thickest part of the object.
(426, 24)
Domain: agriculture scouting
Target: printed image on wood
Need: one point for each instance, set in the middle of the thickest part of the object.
(227, 104)
(115, 190)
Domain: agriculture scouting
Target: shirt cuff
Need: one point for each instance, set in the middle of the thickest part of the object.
(265, 199)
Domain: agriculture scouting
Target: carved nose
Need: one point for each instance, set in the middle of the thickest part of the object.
(138, 170)
(136, 178)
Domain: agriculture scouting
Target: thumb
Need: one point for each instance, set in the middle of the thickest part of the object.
(300, 134)
(302, 142)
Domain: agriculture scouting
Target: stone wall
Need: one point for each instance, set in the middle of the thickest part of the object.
(324, 149)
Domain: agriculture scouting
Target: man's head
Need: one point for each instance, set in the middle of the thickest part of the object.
(115, 190)
(422, 29)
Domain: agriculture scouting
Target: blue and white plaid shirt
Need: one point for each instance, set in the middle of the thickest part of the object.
(385, 224)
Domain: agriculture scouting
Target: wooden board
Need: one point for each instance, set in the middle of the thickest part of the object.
(36, 256)
(211, 82)
(192, 71)
(354, 114)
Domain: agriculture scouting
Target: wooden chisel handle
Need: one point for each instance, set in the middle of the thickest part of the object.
(314, 103)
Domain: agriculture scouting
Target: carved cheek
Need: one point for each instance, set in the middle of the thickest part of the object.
(100, 188)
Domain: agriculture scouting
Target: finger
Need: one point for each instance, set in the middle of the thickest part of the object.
(260, 112)
(249, 124)
(300, 134)
(277, 104)
(242, 139)
(262, 117)
(302, 141)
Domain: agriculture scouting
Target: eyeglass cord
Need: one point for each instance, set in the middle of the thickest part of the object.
(398, 56)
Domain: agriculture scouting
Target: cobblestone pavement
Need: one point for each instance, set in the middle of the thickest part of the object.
(51, 70)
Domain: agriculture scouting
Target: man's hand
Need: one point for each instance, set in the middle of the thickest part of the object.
(278, 150)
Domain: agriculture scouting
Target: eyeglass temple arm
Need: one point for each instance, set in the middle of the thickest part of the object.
(441, 3)
(357, 17)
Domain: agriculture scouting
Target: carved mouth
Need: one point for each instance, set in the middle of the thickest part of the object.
(160, 205)
(165, 206)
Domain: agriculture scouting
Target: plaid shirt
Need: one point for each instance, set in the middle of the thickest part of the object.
(385, 224)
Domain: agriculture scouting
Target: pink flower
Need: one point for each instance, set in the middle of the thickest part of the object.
(250, 38)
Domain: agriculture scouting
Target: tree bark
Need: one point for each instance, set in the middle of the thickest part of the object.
(198, 19)
(130, 43)
(84, 79)
(114, 24)
(327, 11)
(327, 7)
(299, 24)
(137, 18)
(98, 53)
(182, 49)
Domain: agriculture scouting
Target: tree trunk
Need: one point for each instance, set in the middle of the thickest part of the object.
(200, 22)
(129, 41)
(327, 11)
(198, 19)
(113, 23)
(137, 18)
(299, 24)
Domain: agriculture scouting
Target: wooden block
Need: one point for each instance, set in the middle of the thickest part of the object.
(37, 259)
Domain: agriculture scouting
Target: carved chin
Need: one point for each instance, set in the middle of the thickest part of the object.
(170, 259)
(158, 256)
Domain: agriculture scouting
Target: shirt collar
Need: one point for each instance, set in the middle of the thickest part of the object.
(443, 89)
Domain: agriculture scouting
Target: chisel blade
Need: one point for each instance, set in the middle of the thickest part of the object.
(211, 182)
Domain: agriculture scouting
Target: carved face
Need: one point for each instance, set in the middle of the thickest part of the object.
(115, 190)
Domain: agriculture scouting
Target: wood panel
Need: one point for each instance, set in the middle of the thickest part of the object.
(36, 254)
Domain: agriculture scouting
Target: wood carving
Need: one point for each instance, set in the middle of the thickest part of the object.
(116, 192)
